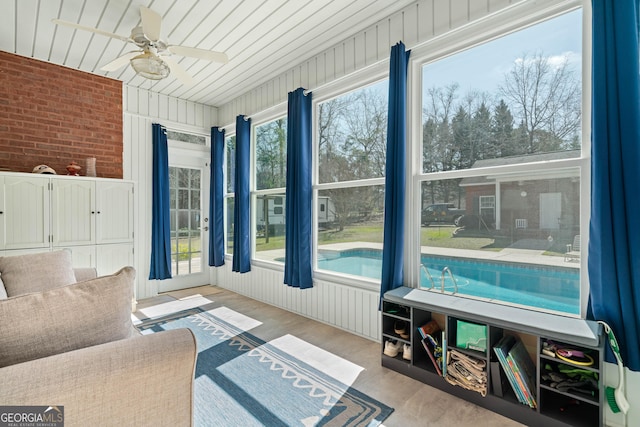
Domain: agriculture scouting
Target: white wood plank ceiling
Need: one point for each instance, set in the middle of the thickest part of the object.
(262, 38)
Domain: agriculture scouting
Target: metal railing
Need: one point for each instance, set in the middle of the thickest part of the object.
(453, 279)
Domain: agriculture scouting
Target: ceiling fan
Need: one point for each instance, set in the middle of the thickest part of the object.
(153, 60)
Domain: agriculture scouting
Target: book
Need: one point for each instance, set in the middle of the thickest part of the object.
(501, 349)
(524, 371)
(445, 360)
(432, 349)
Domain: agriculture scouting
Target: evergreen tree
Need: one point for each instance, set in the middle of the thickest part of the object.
(502, 134)
(481, 133)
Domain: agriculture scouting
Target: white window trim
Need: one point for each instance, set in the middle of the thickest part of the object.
(511, 19)
(257, 120)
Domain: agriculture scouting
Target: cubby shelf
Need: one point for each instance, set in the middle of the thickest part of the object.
(554, 407)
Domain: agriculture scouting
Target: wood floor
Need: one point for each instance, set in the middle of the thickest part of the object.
(414, 403)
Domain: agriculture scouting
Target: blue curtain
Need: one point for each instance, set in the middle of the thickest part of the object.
(216, 199)
(160, 223)
(241, 219)
(614, 233)
(394, 197)
(297, 267)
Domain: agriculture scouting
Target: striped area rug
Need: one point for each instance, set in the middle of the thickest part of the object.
(241, 380)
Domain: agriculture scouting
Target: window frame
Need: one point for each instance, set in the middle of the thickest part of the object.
(256, 121)
(227, 194)
(512, 19)
(359, 80)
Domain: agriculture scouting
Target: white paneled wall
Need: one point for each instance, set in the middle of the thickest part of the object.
(351, 308)
(415, 25)
(141, 109)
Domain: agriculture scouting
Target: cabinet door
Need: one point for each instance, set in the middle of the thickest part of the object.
(111, 258)
(25, 217)
(83, 256)
(73, 212)
(114, 212)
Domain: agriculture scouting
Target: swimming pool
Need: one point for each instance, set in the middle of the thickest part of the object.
(542, 287)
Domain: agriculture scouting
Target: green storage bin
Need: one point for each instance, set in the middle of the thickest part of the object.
(471, 336)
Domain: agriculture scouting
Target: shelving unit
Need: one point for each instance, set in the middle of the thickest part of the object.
(555, 406)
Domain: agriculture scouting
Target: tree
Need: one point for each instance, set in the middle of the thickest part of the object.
(442, 140)
(481, 134)
(352, 146)
(502, 142)
(366, 123)
(546, 98)
(271, 154)
(439, 150)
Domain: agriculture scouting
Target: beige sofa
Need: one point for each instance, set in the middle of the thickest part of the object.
(72, 344)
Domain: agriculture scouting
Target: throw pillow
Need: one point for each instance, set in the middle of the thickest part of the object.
(80, 315)
(3, 291)
(23, 274)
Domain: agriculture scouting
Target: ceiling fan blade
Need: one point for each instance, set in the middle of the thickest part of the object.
(151, 23)
(194, 52)
(93, 30)
(120, 61)
(178, 71)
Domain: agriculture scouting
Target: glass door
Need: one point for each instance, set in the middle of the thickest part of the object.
(189, 209)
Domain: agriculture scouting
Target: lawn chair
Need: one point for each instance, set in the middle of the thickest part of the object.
(573, 250)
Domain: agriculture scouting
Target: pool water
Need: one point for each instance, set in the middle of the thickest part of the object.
(542, 287)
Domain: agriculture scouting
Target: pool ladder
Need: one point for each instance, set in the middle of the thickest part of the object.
(442, 277)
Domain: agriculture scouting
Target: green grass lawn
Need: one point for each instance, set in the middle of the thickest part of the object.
(442, 237)
(429, 236)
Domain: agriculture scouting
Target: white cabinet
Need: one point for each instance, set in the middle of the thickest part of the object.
(24, 221)
(73, 212)
(92, 217)
(113, 257)
(82, 256)
(106, 259)
(87, 212)
(114, 212)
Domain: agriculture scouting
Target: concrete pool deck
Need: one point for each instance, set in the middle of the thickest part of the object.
(515, 255)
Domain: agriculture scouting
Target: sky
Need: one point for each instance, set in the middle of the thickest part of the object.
(483, 67)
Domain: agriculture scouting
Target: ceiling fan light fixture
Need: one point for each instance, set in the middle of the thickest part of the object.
(150, 66)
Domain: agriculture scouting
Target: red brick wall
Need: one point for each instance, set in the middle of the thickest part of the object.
(54, 115)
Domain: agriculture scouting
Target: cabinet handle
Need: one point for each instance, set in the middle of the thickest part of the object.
(98, 212)
(93, 212)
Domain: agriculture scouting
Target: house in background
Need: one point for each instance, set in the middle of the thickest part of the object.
(530, 205)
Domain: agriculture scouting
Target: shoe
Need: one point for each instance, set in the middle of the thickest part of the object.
(406, 352)
(400, 328)
(391, 349)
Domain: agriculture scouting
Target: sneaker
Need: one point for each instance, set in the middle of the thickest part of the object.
(391, 349)
(406, 352)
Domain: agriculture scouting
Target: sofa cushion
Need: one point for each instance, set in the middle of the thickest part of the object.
(23, 274)
(67, 318)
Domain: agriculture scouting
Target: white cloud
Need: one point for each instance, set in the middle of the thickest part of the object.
(573, 59)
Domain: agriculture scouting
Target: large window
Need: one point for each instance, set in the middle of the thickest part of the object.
(351, 157)
(500, 181)
(269, 195)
